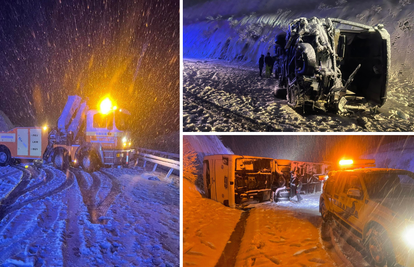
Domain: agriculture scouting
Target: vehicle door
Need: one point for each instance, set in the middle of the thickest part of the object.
(338, 198)
(222, 180)
(354, 204)
(328, 189)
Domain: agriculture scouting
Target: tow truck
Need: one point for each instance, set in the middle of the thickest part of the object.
(83, 137)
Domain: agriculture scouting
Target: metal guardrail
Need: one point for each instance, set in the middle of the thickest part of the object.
(159, 153)
(169, 160)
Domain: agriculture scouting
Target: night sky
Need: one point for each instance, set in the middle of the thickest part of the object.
(127, 49)
(312, 148)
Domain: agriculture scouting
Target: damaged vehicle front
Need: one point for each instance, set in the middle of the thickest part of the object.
(333, 64)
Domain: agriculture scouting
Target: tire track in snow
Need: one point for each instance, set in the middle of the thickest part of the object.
(4, 210)
(15, 193)
(73, 236)
(97, 210)
(103, 207)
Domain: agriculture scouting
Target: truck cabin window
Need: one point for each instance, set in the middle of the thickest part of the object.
(122, 121)
(103, 121)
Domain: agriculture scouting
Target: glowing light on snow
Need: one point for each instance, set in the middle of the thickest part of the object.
(409, 236)
(105, 106)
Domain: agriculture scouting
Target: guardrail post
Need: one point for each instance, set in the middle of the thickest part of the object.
(155, 167)
(169, 173)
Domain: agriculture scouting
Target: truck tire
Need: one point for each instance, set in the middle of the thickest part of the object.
(326, 215)
(379, 247)
(61, 159)
(89, 161)
(5, 156)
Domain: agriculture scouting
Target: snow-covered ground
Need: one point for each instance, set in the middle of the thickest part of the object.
(114, 217)
(285, 234)
(222, 96)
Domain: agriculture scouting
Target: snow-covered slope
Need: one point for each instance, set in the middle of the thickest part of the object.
(397, 155)
(242, 29)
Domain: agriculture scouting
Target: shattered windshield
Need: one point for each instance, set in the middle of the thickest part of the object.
(390, 184)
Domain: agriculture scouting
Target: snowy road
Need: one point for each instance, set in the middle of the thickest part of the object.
(286, 234)
(114, 217)
(268, 234)
(221, 96)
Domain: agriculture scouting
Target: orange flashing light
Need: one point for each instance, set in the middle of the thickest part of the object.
(105, 106)
(344, 162)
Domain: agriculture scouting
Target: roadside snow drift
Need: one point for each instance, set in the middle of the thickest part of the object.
(243, 30)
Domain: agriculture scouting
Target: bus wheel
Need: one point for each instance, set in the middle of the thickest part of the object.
(5, 156)
(61, 159)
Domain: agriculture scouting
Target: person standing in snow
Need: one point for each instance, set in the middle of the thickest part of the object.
(269, 63)
(298, 183)
(261, 64)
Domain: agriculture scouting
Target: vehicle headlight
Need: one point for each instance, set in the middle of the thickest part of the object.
(408, 235)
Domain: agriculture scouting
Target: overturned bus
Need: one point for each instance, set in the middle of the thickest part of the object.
(333, 64)
(233, 179)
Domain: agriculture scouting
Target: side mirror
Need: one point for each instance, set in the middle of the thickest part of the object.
(354, 193)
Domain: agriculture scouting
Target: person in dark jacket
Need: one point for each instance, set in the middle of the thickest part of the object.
(261, 64)
(269, 62)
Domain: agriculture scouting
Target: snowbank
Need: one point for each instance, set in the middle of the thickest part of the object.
(207, 226)
(242, 30)
(397, 155)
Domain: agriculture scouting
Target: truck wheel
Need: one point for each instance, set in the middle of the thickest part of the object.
(5, 156)
(379, 247)
(61, 159)
(89, 161)
(326, 215)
